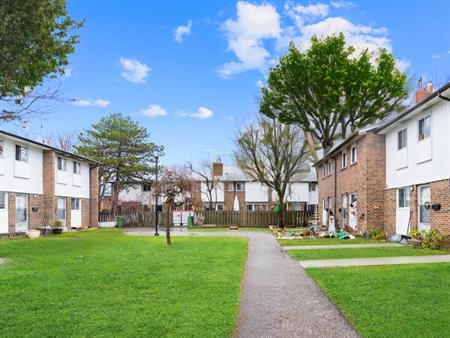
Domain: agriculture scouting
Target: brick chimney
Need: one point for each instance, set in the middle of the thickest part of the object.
(422, 93)
(217, 168)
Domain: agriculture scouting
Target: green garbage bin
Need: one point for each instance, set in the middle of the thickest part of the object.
(120, 221)
(190, 221)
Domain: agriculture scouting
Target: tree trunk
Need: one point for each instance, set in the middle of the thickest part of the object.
(166, 211)
(311, 145)
(115, 197)
(281, 214)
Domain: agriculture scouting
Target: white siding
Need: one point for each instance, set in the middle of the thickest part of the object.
(135, 193)
(298, 192)
(21, 177)
(256, 192)
(217, 193)
(424, 161)
(313, 196)
(67, 186)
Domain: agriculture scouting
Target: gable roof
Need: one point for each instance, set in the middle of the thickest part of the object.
(48, 147)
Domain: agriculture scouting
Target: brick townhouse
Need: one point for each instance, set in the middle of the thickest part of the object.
(351, 180)
(236, 191)
(394, 175)
(40, 184)
(233, 191)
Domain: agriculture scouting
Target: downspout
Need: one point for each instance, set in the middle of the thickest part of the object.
(335, 189)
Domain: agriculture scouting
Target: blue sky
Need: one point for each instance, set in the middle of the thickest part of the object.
(190, 71)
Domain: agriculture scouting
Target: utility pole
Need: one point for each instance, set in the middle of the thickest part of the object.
(156, 196)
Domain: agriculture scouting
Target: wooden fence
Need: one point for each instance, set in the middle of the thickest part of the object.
(254, 218)
(140, 218)
(135, 218)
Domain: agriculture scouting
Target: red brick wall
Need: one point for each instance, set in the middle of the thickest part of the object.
(93, 197)
(11, 212)
(49, 186)
(440, 194)
(36, 218)
(366, 178)
(390, 207)
(86, 213)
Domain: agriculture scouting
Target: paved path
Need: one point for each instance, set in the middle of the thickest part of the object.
(342, 246)
(278, 299)
(328, 263)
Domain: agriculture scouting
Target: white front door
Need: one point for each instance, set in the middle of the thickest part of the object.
(75, 213)
(3, 212)
(402, 211)
(21, 213)
(424, 206)
(353, 217)
(61, 210)
(324, 212)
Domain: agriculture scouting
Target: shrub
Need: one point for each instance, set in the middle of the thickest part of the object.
(376, 234)
(57, 224)
(416, 234)
(431, 239)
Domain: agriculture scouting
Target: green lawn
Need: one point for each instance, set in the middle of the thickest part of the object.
(392, 300)
(326, 241)
(103, 283)
(361, 253)
(263, 229)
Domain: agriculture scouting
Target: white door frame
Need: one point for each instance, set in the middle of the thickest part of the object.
(75, 214)
(420, 225)
(353, 214)
(4, 225)
(63, 220)
(22, 226)
(402, 214)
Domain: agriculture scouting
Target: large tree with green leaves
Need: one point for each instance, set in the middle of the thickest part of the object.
(273, 153)
(124, 149)
(36, 37)
(329, 90)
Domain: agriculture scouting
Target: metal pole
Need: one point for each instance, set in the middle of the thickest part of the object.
(156, 197)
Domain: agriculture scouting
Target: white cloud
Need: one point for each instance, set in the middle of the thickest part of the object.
(260, 84)
(443, 55)
(90, 102)
(358, 36)
(342, 4)
(246, 35)
(133, 70)
(181, 31)
(154, 110)
(402, 64)
(202, 113)
(300, 13)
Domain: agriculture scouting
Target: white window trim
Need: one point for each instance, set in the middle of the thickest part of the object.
(407, 191)
(344, 155)
(406, 132)
(21, 146)
(418, 128)
(63, 161)
(351, 154)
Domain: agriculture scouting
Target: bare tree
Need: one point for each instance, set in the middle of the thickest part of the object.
(206, 175)
(175, 187)
(272, 153)
(64, 140)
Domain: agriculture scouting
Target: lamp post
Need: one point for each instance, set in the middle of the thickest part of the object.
(156, 196)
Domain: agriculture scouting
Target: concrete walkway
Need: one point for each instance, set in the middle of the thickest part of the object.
(342, 246)
(328, 263)
(278, 299)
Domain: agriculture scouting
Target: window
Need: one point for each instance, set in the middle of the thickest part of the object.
(330, 168)
(240, 186)
(312, 186)
(219, 207)
(61, 164)
(402, 139)
(75, 204)
(257, 207)
(146, 187)
(424, 205)
(61, 209)
(353, 154)
(21, 153)
(76, 168)
(2, 200)
(324, 170)
(424, 128)
(344, 159)
(403, 198)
